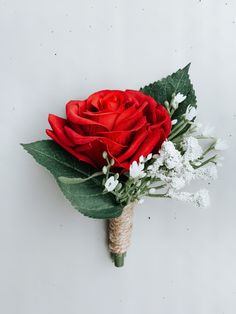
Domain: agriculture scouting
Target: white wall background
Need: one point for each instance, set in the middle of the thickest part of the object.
(54, 260)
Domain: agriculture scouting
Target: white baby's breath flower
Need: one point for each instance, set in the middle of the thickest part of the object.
(111, 184)
(173, 122)
(136, 170)
(149, 156)
(220, 144)
(171, 156)
(208, 131)
(141, 158)
(153, 169)
(209, 172)
(190, 113)
(188, 172)
(177, 99)
(192, 148)
(199, 199)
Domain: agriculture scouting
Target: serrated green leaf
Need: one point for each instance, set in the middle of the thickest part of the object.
(178, 82)
(88, 197)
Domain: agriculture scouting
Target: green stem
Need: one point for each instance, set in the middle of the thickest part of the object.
(176, 131)
(157, 195)
(67, 180)
(158, 187)
(208, 150)
(211, 159)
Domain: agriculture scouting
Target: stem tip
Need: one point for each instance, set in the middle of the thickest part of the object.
(118, 259)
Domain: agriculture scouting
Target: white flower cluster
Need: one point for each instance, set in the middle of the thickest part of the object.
(136, 169)
(172, 168)
(176, 169)
(180, 160)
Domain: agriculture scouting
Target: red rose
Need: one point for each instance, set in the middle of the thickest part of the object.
(126, 124)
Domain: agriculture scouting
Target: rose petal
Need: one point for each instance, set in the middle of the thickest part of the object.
(73, 152)
(58, 124)
(72, 113)
(130, 118)
(150, 144)
(76, 138)
(134, 145)
(121, 137)
(106, 119)
(163, 120)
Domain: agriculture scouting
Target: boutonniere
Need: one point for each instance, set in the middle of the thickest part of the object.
(115, 148)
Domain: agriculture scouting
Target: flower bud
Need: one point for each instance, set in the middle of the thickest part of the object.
(166, 104)
(104, 154)
(104, 169)
(112, 162)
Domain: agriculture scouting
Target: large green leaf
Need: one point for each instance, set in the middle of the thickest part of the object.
(178, 82)
(88, 196)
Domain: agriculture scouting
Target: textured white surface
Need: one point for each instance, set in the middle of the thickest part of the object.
(54, 260)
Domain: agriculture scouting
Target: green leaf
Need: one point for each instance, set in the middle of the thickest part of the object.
(87, 197)
(178, 82)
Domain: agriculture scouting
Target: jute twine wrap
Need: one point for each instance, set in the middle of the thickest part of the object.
(120, 230)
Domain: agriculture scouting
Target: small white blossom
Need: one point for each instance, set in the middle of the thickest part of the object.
(149, 156)
(190, 113)
(111, 184)
(136, 170)
(154, 168)
(208, 131)
(141, 158)
(177, 99)
(171, 156)
(220, 144)
(192, 148)
(188, 172)
(201, 198)
(173, 122)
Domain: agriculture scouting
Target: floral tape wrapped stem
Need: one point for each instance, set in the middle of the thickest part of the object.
(120, 230)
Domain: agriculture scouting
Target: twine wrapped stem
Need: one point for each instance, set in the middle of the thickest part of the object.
(120, 230)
